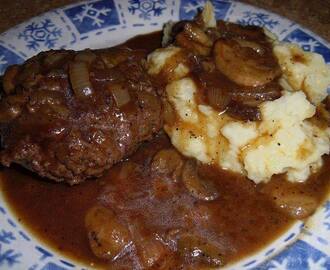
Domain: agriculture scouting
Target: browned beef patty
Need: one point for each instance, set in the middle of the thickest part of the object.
(71, 115)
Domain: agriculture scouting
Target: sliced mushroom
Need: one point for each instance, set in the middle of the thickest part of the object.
(197, 35)
(168, 162)
(258, 48)
(253, 96)
(243, 112)
(200, 250)
(298, 206)
(149, 248)
(176, 67)
(240, 102)
(295, 204)
(108, 238)
(193, 38)
(184, 41)
(199, 187)
(244, 65)
(293, 199)
(150, 251)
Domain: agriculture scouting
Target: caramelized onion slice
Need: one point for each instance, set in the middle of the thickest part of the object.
(54, 57)
(86, 56)
(79, 78)
(120, 94)
(243, 65)
(114, 56)
(218, 99)
(198, 187)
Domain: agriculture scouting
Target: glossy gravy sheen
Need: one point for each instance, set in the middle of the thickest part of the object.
(55, 212)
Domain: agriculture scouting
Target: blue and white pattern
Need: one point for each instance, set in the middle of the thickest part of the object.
(326, 223)
(93, 16)
(3, 61)
(19, 251)
(43, 32)
(8, 257)
(147, 8)
(52, 266)
(301, 255)
(99, 23)
(8, 57)
(308, 43)
(188, 9)
(258, 19)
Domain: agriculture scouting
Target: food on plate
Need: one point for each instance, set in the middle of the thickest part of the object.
(163, 211)
(238, 98)
(71, 115)
(303, 71)
(247, 121)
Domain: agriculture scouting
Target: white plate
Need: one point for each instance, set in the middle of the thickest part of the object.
(103, 23)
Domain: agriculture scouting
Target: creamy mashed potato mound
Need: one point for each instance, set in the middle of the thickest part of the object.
(303, 71)
(286, 140)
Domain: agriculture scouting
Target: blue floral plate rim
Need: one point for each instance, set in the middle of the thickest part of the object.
(100, 23)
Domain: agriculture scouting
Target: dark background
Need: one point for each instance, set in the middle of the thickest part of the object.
(313, 14)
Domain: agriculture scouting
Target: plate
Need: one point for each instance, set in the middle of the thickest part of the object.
(104, 23)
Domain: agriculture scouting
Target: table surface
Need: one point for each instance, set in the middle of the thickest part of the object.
(313, 14)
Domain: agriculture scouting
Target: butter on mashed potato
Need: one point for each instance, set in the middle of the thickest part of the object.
(286, 140)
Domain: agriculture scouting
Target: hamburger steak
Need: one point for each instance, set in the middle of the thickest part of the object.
(71, 115)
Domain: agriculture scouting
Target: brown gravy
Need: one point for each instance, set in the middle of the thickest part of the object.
(55, 212)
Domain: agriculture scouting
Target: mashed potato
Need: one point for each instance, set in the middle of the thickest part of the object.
(287, 140)
(303, 71)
